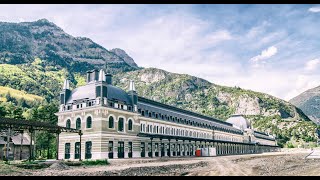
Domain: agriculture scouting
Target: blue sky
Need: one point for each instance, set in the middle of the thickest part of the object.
(268, 48)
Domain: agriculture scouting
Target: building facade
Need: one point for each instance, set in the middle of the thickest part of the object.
(120, 124)
(18, 147)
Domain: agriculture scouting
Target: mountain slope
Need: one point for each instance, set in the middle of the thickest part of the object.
(22, 42)
(5, 91)
(266, 112)
(121, 53)
(309, 103)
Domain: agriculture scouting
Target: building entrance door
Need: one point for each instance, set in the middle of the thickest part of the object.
(120, 149)
(162, 150)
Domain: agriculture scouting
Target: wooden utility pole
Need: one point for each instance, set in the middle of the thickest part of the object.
(21, 145)
(8, 143)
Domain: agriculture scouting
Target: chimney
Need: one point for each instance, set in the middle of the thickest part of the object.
(102, 75)
(92, 75)
(95, 75)
(131, 86)
(134, 96)
(65, 93)
(66, 84)
(109, 79)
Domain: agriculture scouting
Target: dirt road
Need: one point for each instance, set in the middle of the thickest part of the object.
(269, 164)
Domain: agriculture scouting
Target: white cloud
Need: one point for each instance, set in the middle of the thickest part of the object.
(312, 64)
(265, 54)
(219, 36)
(301, 83)
(315, 9)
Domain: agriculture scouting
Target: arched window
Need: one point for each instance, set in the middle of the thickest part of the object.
(78, 123)
(130, 125)
(68, 124)
(121, 124)
(89, 122)
(111, 122)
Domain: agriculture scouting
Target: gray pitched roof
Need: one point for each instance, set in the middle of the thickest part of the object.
(88, 91)
(163, 109)
(118, 94)
(83, 92)
(17, 140)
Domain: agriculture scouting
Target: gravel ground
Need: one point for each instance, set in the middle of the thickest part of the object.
(269, 164)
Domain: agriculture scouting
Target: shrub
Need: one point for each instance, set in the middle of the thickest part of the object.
(95, 162)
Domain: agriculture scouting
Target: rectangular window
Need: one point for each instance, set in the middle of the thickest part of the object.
(110, 149)
(121, 125)
(105, 92)
(77, 150)
(98, 91)
(67, 151)
(149, 150)
(130, 149)
(88, 150)
(62, 99)
(143, 149)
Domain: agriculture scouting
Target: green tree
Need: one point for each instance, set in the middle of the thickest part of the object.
(22, 103)
(17, 113)
(3, 111)
(8, 97)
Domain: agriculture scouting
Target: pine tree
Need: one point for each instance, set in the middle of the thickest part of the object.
(3, 111)
(17, 113)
